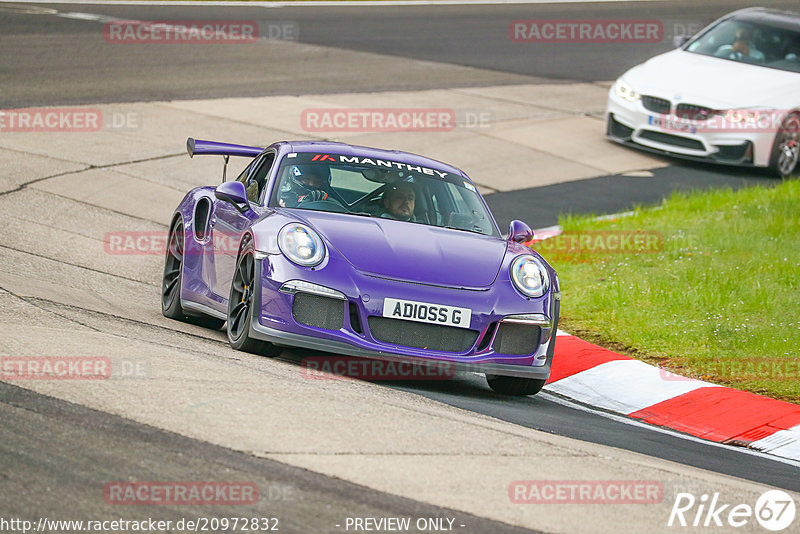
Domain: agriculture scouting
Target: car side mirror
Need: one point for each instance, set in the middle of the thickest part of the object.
(235, 193)
(680, 40)
(519, 232)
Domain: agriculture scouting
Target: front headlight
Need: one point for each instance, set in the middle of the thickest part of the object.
(530, 276)
(301, 244)
(625, 91)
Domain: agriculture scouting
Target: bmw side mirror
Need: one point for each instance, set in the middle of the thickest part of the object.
(519, 232)
(235, 193)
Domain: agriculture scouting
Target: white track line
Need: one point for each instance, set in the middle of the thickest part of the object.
(645, 386)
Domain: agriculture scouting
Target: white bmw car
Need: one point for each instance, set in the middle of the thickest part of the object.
(730, 94)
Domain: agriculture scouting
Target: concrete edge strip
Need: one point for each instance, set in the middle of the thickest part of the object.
(620, 384)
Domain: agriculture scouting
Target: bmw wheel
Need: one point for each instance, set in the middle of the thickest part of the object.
(786, 150)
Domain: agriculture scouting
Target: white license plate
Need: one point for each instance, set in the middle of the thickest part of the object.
(672, 124)
(425, 312)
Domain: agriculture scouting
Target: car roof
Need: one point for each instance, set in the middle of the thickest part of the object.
(369, 152)
(787, 20)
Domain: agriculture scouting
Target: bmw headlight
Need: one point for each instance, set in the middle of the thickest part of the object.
(625, 91)
(301, 244)
(530, 276)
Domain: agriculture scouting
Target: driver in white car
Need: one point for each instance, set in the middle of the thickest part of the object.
(742, 48)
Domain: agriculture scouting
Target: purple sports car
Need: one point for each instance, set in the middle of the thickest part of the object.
(364, 252)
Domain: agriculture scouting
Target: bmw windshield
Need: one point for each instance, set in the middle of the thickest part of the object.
(751, 42)
(372, 187)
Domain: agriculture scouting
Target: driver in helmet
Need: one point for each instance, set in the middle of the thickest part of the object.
(304, 183)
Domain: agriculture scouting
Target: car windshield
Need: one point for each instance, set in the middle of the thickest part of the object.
(370, 187)
(751, 42)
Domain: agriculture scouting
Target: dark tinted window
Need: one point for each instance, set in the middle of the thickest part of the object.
(370, 187)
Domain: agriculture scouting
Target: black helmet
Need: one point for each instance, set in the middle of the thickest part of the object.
(299, 173)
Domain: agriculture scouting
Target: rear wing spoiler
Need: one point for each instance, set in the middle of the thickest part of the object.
(198, 146)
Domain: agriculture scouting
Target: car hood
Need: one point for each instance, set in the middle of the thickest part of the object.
(411, 252)
(682, 76)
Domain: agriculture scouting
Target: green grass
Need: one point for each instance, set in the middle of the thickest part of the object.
(718, 298)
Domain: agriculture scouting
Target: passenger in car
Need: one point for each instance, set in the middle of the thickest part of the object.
(399, 202)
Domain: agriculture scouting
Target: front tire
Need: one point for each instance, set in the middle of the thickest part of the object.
(242, 304)
(515, 385)
(172, 282)
(786, 149)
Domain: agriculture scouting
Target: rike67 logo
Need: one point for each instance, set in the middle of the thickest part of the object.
(774, 510)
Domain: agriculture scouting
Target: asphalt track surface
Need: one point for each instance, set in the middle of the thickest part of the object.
(542, 413)
(48, 60)
(51, 60)
(61, 453)
(617, 193)
(54, 59)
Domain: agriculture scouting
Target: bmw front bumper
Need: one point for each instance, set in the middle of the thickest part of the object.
(630, 123)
